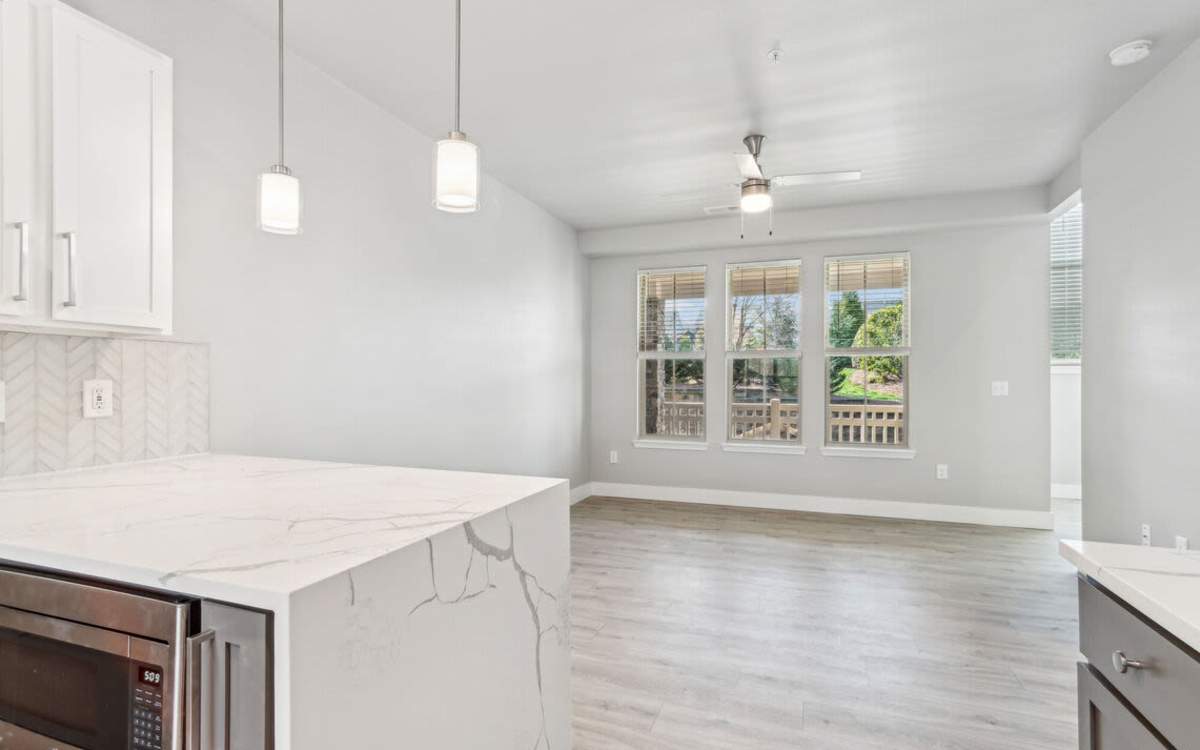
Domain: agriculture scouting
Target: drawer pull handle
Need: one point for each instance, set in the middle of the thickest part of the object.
(1123, 664)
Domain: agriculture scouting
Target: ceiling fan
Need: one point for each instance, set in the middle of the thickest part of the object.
(756, 186)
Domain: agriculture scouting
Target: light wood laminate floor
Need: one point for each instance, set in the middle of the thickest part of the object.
(704, 627)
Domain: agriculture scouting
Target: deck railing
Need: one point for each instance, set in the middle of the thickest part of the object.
(872, 424)
(850, 424)
(773, 420)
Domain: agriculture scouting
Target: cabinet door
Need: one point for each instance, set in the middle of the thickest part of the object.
(16, 156)
(112, 176)
(1106, 722)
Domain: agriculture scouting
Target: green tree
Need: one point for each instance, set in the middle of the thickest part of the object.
(783, 326)
(884, 328)
(846, 320)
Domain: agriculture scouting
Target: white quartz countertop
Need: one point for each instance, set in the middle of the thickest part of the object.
(244, 529)
(1162, 584)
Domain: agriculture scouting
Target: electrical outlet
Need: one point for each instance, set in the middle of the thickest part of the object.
(1145, 535)
(612, 457)
(1181, 544)
(97, 399)
(999, 387)
(943, 471)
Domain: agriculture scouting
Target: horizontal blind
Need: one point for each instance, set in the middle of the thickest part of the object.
(858, 274)
(1066, 285)
(671, 310)
(764, 304)
(857, 289)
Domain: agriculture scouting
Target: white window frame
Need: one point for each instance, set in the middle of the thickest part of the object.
(1071, 203)
(868, 450)
(663, 441)
(785, 447)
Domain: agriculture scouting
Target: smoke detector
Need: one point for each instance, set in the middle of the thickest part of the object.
(1130, 53)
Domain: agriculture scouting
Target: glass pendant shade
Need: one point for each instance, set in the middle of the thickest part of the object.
(279, 201)
(456, 175)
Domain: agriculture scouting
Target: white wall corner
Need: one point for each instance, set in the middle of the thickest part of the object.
(581, 492)
(1066, 491)
(851, 506)
(1065, 190)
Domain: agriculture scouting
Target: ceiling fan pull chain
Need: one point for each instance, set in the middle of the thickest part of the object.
(742, 218)
(771, 221)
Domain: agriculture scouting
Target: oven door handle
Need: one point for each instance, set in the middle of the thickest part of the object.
(196, 703)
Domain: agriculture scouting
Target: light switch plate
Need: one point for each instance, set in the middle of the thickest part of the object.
(97, 399)
(943, 471)
(999, 387)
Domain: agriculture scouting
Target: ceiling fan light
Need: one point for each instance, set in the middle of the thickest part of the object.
(756, 197)
(456, 175)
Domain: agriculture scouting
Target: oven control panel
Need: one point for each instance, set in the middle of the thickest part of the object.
(146, 731)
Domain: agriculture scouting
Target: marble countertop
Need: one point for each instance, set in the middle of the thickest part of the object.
(1161, 583)
(248, 530)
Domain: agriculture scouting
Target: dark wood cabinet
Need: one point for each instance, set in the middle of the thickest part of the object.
(1140, 686)
(1106, 722)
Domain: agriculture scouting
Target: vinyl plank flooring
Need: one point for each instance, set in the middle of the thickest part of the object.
(706, 627)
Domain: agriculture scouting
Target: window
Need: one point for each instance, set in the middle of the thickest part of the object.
(1066, 285)
(671, 354)
(763, 350)
(866, 350)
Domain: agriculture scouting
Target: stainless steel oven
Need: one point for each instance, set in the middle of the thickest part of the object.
(90, 665)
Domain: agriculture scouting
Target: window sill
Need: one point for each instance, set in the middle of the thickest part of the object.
(903, 454)
(671, 445)
(752, 447)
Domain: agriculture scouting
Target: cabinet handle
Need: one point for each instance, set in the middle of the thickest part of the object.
(194, 695)
(72, 271)
(1122, 664)
(22, 261)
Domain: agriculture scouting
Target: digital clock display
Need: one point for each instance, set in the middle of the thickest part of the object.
(150, 676)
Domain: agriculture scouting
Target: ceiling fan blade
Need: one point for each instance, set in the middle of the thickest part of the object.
(721, 210)
(814, 178)
(748, 166)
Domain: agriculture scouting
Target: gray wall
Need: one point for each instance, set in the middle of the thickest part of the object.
(387, 332)
(1141, 183)
(979, 314)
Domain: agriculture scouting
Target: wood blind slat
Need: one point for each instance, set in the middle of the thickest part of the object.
(671, 310)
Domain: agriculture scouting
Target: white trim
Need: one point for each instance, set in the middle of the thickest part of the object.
(905, 454)
(781, 447)
(1066, 491)
(673, 445)
(1066, 368)
(984, 516)
(581, 492)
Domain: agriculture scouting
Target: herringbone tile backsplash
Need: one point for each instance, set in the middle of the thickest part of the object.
(160, 401)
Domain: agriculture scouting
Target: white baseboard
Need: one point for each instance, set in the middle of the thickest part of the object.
(582, 492)
(1066, 491)
(851, 506)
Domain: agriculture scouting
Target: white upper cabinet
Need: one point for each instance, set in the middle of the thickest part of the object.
(111, 107)
(16, 158)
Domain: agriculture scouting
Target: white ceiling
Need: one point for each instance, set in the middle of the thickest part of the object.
(617, 112)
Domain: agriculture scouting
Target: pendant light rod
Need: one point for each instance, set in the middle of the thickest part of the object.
(281, 82)
(457, 63)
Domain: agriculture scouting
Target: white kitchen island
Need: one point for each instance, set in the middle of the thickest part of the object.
(413, 608)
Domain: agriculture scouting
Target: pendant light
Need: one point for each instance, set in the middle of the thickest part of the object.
(455, 159)
(278, 188)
